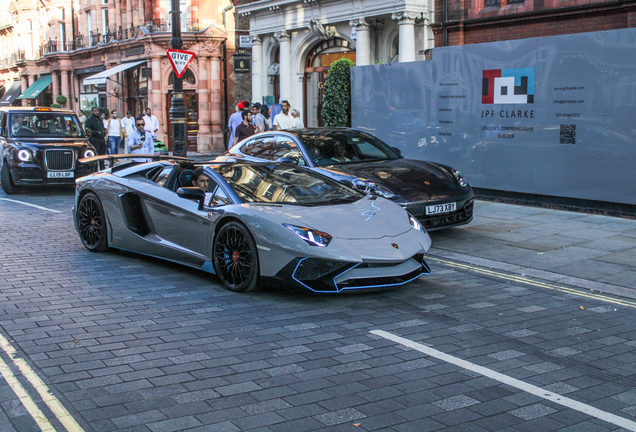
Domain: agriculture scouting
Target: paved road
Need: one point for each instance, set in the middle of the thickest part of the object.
(492, 341)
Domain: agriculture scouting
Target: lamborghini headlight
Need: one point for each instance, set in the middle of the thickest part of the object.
(459, 178)
(25, 155)
(415, 223)
(312, 237)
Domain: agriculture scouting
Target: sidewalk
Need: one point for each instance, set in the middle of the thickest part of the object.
(577, 249)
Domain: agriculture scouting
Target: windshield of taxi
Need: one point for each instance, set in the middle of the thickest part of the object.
(327, 147)
(44, 125)
(285, 184)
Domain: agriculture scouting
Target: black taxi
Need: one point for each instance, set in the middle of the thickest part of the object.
(41, 146)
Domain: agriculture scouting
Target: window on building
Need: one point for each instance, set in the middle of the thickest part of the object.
(188, 77)
(63, 36)
(492, 3)
(105, 20)
(89, 21)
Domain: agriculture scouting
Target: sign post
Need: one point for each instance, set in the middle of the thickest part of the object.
(180, 63)
(180, 60)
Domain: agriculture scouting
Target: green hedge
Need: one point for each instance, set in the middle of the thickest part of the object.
(336, 109)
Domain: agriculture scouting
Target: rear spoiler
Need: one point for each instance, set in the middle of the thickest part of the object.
(113, 158)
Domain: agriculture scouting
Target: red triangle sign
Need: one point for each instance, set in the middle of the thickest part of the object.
(180, 61)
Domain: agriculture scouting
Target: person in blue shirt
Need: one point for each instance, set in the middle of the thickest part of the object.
(140, 141)
(235, 120)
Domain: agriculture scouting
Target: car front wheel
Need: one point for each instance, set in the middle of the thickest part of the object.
(235, 257)
(92, 223)
(7, 183)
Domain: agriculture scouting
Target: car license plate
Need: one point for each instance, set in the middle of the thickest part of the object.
(441, 208)
(60, 174)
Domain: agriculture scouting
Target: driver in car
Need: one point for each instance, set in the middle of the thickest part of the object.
(17, 124)
(202, 181)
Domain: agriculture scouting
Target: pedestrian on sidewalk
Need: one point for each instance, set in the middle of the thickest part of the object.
(152, 123)
(283, 119)
(246, 128)
(115, 132)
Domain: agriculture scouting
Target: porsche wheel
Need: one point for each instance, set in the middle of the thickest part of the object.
(7, 183)
(92, 223)
(235, 257)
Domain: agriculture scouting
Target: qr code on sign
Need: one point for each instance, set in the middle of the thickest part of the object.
(568, 134)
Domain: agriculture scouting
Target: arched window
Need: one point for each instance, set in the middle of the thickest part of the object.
(188, 77)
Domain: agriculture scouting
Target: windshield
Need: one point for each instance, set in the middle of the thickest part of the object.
(285, 184)
(45, 125)
(346, 146)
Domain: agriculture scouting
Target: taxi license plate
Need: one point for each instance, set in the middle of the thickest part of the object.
(441, 208)
(60, 174)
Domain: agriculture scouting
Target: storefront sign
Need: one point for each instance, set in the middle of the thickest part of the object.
(138, 50)
(241, 52)
(242, 65)
(245, 41)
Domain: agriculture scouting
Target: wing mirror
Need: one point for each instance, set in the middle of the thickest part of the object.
(397, 150)
(192, 192)
(288, 160)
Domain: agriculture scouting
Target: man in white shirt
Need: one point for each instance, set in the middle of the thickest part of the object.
(283, 119)
(140, 140)
(152, 124)
(128, 123)
(115, 132)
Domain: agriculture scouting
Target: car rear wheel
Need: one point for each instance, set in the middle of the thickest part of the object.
(7, 183)
(235, 257)
(92, 223)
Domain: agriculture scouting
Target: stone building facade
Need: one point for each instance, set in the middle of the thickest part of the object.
(125, 41)
(295, 41)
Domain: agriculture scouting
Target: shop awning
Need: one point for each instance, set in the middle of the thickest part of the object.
(101, 77)
(11, 94)
(36, 88)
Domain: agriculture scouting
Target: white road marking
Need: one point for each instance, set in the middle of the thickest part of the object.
(30, 205)
(47, 397)
(529, 388)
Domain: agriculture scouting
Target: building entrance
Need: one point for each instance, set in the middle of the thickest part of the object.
(192, 119)
(317, 66)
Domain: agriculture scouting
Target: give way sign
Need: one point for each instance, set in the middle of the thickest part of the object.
(180, 61)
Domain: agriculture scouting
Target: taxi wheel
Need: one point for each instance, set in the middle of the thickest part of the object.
(235, 257)
(7, 183)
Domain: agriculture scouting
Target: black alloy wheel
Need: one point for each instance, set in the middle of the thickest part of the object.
(235, 257)
(92, 223)
(7, 182)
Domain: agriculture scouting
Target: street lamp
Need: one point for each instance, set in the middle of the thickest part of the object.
(177, 105)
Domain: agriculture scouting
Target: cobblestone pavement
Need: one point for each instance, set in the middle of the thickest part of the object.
(130, 343)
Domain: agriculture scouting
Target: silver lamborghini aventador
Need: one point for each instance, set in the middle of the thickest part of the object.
(253, 222)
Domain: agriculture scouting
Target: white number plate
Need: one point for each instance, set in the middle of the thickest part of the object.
(441, 208)
(60, 174)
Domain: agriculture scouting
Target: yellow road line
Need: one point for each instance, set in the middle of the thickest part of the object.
(26, 400)
(528, 281)
(47, 397)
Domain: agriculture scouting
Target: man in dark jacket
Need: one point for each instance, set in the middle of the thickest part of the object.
(96, 132)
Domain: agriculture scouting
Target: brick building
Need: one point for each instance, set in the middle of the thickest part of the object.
(460, 22)
(51, 47)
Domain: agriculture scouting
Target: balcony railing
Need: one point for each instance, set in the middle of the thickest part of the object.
(165, 25)
(56, 46)
(15, 57)
(112, 33)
